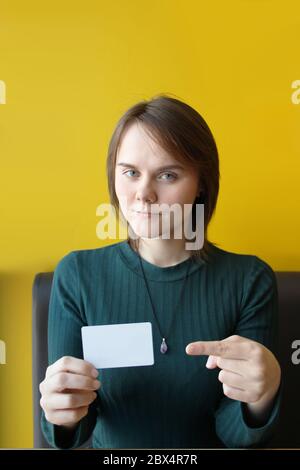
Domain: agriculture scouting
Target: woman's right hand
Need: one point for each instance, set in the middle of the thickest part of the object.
(68, 390)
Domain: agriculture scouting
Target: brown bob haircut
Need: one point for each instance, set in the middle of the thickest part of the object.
(182, 132)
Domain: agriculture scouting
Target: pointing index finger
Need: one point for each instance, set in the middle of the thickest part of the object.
(224, 348)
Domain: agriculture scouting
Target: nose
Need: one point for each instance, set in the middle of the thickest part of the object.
(146, 194)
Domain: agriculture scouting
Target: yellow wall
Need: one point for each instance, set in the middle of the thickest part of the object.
(71, 69)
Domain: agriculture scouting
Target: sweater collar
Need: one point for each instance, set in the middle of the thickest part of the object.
(152, 271)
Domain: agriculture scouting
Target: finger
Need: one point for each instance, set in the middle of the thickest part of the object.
(66, 380)
(63, 417)
(235, 393)
(73, 365)
(232, 380)
(228, 348)
(233, 365)
(212, 362)
(61, 401)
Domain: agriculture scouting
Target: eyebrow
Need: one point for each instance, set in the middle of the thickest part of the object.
(162, 168)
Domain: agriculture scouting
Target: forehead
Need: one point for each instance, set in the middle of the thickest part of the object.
(137, 145)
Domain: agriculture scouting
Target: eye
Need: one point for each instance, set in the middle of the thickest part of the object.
(171, 174)
(126, 172)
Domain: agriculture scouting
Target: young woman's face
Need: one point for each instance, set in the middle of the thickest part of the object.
(144, 178)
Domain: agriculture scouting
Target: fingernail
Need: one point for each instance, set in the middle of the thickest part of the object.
(95, 373)
(96, 383)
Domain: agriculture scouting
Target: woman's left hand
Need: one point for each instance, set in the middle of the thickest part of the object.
(249, 371)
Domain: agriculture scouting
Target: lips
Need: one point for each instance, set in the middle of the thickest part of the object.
(146, 215)
(142, 211)
(145, 212)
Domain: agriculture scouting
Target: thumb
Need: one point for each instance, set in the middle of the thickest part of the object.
(211, 362)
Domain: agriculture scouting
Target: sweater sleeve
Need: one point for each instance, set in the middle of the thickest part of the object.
(258, 321)
(65, 320)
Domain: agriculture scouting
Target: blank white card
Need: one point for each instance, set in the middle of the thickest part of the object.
(120, 345)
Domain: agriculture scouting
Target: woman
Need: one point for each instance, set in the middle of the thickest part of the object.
(215, 381)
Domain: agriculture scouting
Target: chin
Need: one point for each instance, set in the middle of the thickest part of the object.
(145, 234)
(142, 229)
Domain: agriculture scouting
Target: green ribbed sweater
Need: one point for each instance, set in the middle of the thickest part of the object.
(177, 402)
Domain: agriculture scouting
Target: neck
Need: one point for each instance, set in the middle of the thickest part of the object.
(162, 252)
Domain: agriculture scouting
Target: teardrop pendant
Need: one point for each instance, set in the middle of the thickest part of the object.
(163, 347)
